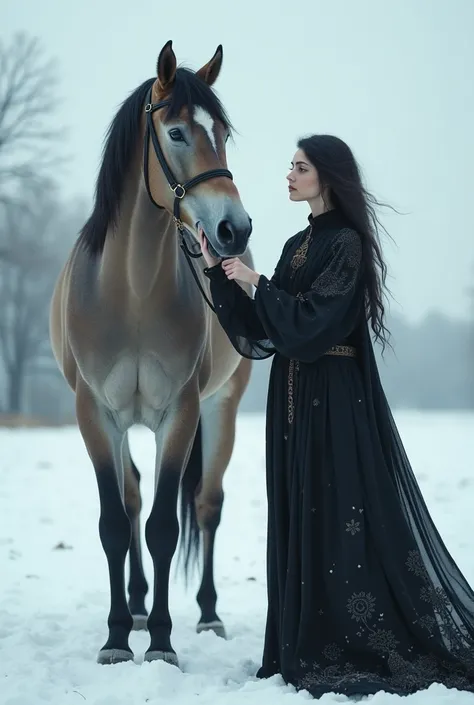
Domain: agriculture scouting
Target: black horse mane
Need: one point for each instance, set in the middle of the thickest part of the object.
(189, 90)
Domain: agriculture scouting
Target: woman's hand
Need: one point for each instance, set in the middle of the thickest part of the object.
(234, 268)
(210, 260)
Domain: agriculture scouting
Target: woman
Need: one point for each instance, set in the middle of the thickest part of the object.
(362, 593)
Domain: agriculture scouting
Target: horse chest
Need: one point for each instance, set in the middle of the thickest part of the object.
(143, 379)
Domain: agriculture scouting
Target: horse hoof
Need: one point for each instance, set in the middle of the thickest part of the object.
(107, 657)
(166, 656)
(217, 627)
(140, 622)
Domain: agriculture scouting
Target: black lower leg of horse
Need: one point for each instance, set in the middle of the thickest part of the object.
(207, 595)
(161, 532)
(115, 534)
(137, 585)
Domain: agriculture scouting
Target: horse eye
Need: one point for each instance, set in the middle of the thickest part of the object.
(176, 135)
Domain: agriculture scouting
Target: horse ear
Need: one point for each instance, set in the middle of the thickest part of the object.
(211, 70)
(166, 66)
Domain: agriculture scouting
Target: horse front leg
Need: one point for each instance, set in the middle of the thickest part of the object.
(174, 442)
(104, 441)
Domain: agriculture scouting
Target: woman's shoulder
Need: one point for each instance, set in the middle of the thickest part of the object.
(336, 227)
(347, 235)
(343, 245)
(338, 262)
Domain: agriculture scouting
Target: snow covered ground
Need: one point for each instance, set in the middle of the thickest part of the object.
(54, 601)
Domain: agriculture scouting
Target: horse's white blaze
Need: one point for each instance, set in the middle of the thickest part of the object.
(204, 119)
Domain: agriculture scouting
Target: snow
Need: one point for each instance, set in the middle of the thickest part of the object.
(54, 601)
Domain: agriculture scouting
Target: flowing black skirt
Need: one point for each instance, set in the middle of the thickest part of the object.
(362, 593)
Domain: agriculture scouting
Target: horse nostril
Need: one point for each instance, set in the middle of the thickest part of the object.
(225, 232)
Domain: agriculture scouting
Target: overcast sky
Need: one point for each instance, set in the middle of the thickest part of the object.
(393, 78)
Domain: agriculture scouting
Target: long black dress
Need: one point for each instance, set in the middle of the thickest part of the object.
(363, 595)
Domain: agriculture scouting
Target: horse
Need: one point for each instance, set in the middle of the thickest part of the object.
(136, 340)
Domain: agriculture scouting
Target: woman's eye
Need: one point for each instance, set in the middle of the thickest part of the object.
(176, 135)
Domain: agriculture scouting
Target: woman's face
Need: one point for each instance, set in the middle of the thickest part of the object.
(303, 179)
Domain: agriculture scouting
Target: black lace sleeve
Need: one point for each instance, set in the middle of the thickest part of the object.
(237, 312)
(303, 327)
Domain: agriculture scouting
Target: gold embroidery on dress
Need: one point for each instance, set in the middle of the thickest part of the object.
(293, 369)
(341, 275)
(299, 258)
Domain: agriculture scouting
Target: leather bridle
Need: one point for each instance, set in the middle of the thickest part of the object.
(179, 190)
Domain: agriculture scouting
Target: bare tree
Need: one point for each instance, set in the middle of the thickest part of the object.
(28, 136)
(34, 243)
(30, 249)
(470, 365)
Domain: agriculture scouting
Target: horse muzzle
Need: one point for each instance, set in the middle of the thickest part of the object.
(227, 238)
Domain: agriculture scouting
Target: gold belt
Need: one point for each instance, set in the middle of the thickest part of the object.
(344, 350)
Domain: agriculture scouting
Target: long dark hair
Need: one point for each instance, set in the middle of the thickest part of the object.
(339, 172)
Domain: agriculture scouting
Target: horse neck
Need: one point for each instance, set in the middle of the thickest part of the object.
(144, 248)
(153, 247)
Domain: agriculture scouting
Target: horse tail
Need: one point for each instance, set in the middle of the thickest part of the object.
(190, 536)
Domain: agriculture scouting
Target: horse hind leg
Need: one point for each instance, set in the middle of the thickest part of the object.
(218, 419)
(201, 513)
(173, 442)
(137, 584)
(104, 444)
